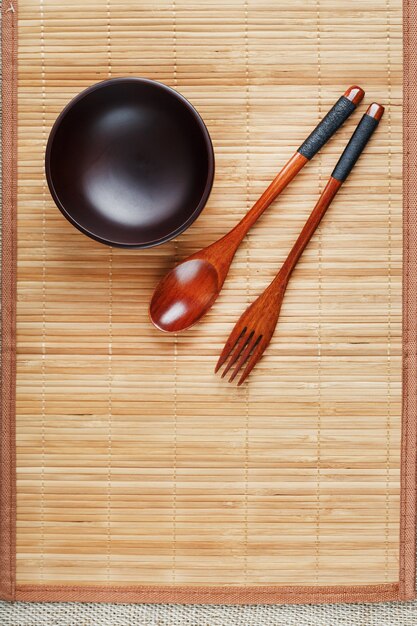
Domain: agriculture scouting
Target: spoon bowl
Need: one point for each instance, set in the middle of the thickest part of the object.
(184, 295)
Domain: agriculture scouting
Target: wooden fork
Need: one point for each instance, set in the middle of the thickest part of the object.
(253, 331)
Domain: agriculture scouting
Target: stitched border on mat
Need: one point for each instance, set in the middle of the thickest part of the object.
(211, 595)
(8, 301)
(409, 421)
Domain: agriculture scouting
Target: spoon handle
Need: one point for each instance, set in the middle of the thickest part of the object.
(350, 155)
(314, 142)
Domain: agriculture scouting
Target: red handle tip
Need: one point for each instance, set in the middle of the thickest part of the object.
(354, 94)
(375, 110)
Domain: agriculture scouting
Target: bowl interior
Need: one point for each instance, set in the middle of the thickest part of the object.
(130, 162)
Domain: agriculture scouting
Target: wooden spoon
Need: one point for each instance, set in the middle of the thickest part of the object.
(188, 291)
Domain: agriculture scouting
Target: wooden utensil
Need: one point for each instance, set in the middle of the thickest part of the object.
(187, 292)
(253, 331)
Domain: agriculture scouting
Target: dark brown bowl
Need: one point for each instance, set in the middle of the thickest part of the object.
(130, 162)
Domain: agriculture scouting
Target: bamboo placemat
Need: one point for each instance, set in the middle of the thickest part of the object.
(139, 475)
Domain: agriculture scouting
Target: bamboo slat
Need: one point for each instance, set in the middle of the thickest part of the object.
(135, 463)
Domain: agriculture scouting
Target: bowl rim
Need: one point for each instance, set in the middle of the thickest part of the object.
(207, 141)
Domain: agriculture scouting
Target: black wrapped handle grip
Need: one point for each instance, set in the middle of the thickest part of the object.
(358, 141)
(332, 121)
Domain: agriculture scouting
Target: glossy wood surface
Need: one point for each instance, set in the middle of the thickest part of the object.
(129, 162)
(355, 94)
(187, 292)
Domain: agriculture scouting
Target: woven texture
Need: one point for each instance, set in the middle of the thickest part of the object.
(68, 614)
(180, 478)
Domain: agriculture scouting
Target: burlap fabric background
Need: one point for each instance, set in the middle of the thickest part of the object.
(73, 614)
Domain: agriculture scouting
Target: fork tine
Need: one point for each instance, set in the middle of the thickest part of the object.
(254, 358)
(237, 352)
(230, 345)
(254, 340)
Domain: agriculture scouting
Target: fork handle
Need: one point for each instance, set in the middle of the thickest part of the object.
(350, 155)
(358, 141)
